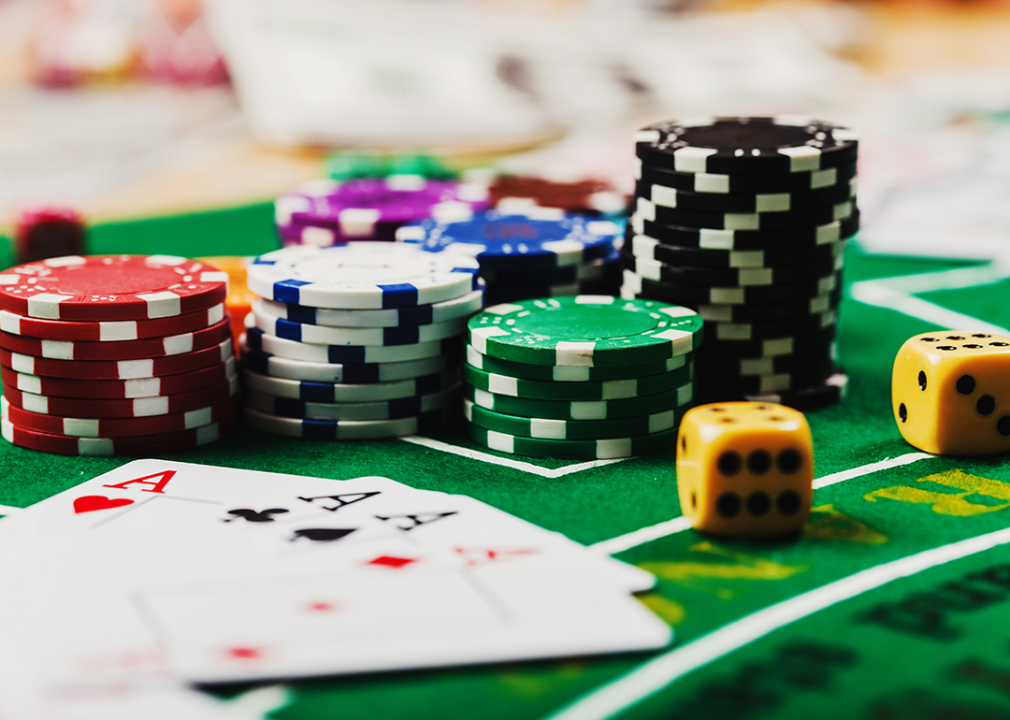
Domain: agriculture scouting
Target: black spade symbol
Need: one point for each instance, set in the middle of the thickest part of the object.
(322, 534)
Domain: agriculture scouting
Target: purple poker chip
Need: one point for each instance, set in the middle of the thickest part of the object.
(326, 212)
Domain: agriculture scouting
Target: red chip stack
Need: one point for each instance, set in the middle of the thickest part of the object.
(115, 355)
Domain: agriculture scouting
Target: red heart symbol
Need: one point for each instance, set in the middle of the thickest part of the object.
(89, 503)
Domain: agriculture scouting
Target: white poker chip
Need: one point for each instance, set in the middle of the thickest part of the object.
(362, 275)
(259, 341)
(461, 307)
(325, 335)
(348, 393)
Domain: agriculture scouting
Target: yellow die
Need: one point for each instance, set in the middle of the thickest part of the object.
(951, 392)
(745, 468)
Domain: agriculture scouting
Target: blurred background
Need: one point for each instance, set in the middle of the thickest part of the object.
(134, 108)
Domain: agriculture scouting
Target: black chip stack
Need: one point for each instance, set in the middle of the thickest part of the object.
(745, 220)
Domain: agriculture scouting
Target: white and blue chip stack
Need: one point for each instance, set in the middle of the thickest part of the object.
(539, 253)
(356, 341)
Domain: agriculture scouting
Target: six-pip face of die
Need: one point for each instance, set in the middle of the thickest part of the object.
(745, 468)
(950, 392)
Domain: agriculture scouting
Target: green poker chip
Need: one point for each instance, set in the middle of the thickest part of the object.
(571, 429)
(554, 373)
(576, 449)
(582, 409)
(606, 390)
(585, 331)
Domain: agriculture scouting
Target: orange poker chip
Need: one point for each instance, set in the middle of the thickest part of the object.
(240, 297)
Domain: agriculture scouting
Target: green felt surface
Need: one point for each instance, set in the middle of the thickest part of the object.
(934, 644)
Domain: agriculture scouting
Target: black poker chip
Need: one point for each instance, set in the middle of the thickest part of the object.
(821, 215)
(710, 239)
(747, 145)
(682, 294)
(773, 329)
(726, 277)
(745, 367)
(811, 397)
(642, 246)
(770, 383)
(664, 196)
(608, 268)
(797, 182)
(762, 330)
(803, 345)
(797, 309)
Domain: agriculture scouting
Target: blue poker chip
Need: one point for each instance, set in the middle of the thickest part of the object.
(496, 295)
(543, 238)
(593, 271)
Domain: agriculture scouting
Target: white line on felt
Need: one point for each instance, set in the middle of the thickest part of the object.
(871, 292)
(9, 510)
(508, 462)
(679, 524)
(885, 464)
(953, 279)
(641, 536)
(654, 675)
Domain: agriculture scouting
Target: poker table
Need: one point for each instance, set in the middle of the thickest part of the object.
(891, 605)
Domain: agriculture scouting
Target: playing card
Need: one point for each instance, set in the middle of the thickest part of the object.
(470, 527)
(159, 547)
(148, 520)
(395, 611)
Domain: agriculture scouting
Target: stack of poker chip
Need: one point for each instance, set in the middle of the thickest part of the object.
(541, 252)
(580, 377)
(745, 220)
(356, 341)
(329, 212)
(115, 355)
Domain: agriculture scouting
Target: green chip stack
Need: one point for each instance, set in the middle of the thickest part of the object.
(585, 376)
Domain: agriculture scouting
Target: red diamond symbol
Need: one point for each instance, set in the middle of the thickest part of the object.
(321, 607)
(391, 562)
(479, 556)
(244, 653)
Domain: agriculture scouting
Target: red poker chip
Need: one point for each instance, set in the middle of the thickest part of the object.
(109, 446)
(112, 331)
(139, 407)
(111, 287)
(119, 369)
(592, 197)
(125, 350)
(119, 427)
(118, 389)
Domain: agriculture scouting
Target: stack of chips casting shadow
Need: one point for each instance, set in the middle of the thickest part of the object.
(580, 377)
(541, 253)
(328, 212)
(745, 220)
(117, 355)
(356, 341)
